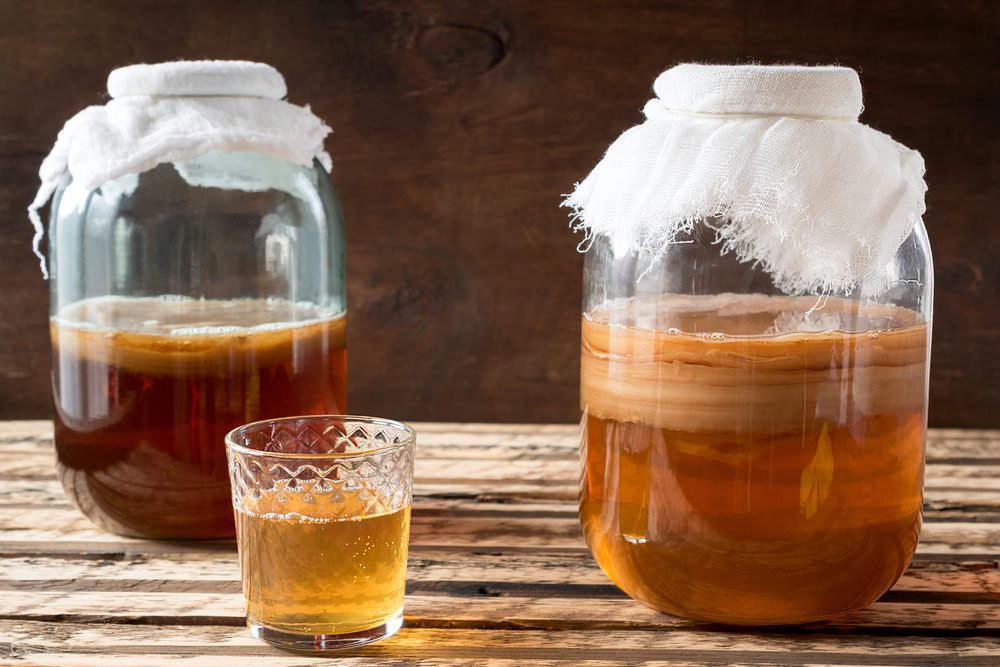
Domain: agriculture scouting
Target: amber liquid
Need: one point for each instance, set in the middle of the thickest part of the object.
(146, 390)
(322, 575)
(758, 478)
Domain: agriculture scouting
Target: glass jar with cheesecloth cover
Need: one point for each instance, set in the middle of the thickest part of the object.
(196, 266)
(755, 349)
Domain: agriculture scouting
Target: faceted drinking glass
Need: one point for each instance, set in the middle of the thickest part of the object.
(322, 519)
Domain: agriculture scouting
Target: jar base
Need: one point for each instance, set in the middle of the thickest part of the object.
(757, 623)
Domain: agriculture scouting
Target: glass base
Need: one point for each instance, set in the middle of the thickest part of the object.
(308, 643)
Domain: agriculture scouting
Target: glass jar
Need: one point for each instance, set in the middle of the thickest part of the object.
(187, 300)
(751, 457)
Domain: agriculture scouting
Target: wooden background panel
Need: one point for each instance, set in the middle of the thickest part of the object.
(458, 126)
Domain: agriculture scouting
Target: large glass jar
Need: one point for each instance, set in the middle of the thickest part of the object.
(751, 457)
(187, 300)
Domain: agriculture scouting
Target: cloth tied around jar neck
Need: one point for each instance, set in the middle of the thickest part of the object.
(175, 112)
(775, 160)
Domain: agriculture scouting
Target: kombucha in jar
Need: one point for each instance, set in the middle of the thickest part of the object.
(147, 388)
(752, 477)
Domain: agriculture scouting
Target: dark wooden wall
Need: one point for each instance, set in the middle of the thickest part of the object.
(458, 125)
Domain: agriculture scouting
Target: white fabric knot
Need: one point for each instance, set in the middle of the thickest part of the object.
(196, 78)
(831, 93)
(774, 159)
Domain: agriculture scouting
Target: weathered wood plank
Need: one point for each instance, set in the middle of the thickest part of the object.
(66, 524)
(131, 659)
(18, 429)
(117, 550)
(551, 478)
(520, 492)
(958, 497)
(40, 643)
(28, 494)
(58, 524)
(561, 575)
(496, 551)
(542, 439)
(515, 434)
(483, 612)
(434, 465)
(965, 433)
(19, 496)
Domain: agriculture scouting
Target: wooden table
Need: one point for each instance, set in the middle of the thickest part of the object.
(498, 573)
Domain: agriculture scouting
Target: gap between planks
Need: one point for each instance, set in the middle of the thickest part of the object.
(501, 613)
(38, 641)
(974, 444)
(51, 525)
(426, 564)
(458, 588)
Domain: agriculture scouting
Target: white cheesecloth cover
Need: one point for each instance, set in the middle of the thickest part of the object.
(176, 112)
(774, 159)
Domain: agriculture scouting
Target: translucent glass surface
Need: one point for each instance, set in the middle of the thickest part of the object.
(751, 457)
(185, 301)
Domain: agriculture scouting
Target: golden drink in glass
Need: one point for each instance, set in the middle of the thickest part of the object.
(356, 584)
(322, 516)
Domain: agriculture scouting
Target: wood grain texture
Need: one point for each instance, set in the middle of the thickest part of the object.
(211, 644)
(458, 125)
(498, 574)
(502, 573)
